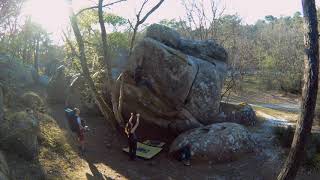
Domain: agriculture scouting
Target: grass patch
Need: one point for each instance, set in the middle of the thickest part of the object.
(290, 116)
(57, 157)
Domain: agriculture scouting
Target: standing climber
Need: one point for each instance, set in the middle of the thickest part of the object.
(132, 138)
(80, 128)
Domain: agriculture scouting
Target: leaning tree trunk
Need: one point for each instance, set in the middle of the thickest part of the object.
(309, 94)
(111, 85)
(103, 106)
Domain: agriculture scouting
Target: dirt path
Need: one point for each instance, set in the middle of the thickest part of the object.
(104, 159)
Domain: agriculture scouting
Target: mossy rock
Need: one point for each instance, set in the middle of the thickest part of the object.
(18, 132)
(32, 100)
(52, 137)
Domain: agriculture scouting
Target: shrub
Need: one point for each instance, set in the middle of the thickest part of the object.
(32, 100)
(284, 135)
(312, 160)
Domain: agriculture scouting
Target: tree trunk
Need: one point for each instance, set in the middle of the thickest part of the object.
(36, 59)
(309, 95)
(133, 38)
(111, 86)
(103, 106)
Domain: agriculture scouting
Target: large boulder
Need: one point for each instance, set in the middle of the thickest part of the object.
(204, 96)
(172, 82)
(217, 142)
(57, 87)
(4, 169)
(169, 72)
(19, 133)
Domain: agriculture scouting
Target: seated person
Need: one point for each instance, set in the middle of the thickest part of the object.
(184, 154)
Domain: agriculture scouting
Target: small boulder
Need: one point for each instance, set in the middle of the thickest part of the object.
(241, 113)
(4, 169)
(217, 142)
(19, 133)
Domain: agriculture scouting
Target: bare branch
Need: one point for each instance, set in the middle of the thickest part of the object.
(95, 7)
(139, 13)
(151, 11)
(139, 22)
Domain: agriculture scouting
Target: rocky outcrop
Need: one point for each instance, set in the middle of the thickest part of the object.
(219, 142)
(18, 133)
(4, 169)
(57, 87)
(173, 82)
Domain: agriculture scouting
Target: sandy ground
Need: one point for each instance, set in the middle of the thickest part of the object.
(105, 159)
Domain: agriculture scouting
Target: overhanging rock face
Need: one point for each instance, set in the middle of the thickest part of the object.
(174, 82)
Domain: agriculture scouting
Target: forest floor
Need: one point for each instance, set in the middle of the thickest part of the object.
(104, 158)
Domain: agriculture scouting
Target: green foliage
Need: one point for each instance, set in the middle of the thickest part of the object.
(52, 137)
(284, 135)
(115, 21)
(32, 100)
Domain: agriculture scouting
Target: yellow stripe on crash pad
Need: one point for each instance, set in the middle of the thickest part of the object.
(145, 151)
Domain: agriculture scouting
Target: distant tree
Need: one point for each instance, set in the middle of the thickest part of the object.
(270, 18)
(309, 95)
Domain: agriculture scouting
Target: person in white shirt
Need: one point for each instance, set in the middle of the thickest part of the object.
(80, 129)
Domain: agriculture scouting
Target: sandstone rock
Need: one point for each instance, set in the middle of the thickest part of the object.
(57, 87)
(208, 50)
(164, 35)
(168, 71)
(19, 133)
(174, 84)
(241, 113)
(204, 96)
(217, 142)
(4, 169)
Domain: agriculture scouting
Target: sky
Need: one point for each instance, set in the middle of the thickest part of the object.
(53, 14)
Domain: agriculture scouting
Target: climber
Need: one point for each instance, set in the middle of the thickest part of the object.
(184, 154)
(81, 128)
(132, 138)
